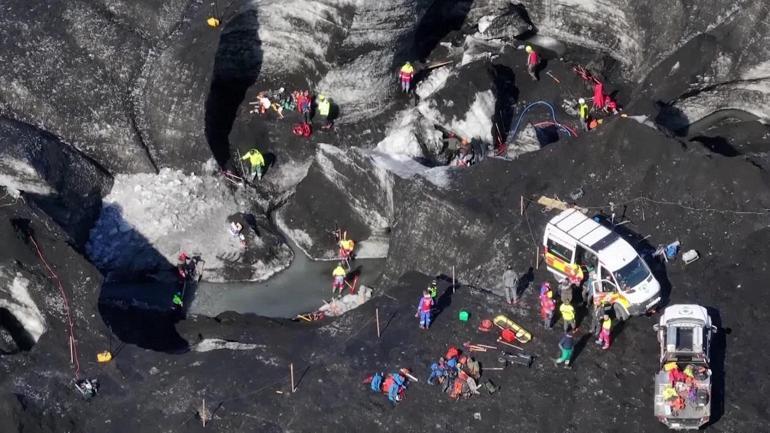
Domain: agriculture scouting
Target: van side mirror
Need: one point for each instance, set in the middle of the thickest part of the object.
(656, 327)
(713, 329)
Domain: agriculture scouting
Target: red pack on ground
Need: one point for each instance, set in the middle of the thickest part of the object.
(508, 336)
(451, 353)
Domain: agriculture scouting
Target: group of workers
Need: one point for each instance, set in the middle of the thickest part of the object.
(345, 255)
(458, 374)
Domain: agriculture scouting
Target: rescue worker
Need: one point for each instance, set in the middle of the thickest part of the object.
(566, 345)
(176, 301)
(423, 310)
(598, 95)
(567, 315)
(597, 317)
(305, 106)
(565, 290)
(405, 76)
(583, 113)
(532, 61)
(511, 285)
(324, 109)
(339, 274)
(610, 106)
(346, 248)
(256, 163)
(604, 334)
(433, 291)
(547, 307)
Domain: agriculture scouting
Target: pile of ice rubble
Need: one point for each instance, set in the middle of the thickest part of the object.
(338, 307)
(148, 219)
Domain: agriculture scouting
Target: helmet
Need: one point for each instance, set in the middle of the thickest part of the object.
(549, 294)
(407, 64)
(321, 97)
(582, 100)
(434, 281)
(528, 48)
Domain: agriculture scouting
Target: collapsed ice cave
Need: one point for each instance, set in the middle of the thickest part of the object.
(123, 124)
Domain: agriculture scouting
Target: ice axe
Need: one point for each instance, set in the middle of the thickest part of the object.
(500, 340)
(409, 376)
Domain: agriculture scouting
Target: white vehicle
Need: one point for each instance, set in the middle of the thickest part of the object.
(575, 244)
(683, 384)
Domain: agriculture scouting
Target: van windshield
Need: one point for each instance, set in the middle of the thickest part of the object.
(630, 275)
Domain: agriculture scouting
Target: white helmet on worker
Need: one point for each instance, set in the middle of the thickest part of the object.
(582, 100)
(528, 48)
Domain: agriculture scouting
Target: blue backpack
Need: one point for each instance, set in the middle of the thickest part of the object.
(377, 382)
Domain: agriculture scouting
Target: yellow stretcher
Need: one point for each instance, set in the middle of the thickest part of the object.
(521, 334)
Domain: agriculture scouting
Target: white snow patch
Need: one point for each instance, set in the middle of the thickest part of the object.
(210, 344)
(376, 247)
(759, 71)
(19, 303)
(436, 81)
(407, 168)
(402, 138)
(478, 121)
(17, 175)
(338, 307)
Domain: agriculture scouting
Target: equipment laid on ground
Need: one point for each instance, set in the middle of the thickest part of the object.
(690, 256)
(88, 388)
(507, 358)
(573, 242)
(522, 335)
(683, 383)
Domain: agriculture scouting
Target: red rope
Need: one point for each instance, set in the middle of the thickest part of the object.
(55, 277)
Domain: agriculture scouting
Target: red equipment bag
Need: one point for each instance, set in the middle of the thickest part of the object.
(451, 353)
(508, 336)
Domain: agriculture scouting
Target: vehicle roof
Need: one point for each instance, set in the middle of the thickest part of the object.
(616, 252)
(685, 311)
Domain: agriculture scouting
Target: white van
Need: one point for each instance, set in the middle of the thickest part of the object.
(575, 245)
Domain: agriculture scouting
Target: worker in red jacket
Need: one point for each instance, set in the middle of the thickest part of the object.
(547, 307)
(533, 60)
(598, 95)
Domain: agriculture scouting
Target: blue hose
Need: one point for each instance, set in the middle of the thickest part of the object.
(553, 115)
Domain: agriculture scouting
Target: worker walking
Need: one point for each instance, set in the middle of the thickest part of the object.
(511, 285)
(583, 113)
(324, 109)
(547, 307)
(339, 273)
(405, 76)
(256, 163)
(533, 61)
(423, 310)
(567, 315)
(566, 345)
(604, 334)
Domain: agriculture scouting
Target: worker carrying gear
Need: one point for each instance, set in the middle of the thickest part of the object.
(583, 113)
(566, 345)
(511, 285)
(604, 334)
(433, 290)
(339, 273)
(405, 76)
(423, 310)
(324, 109)
(533, 61)
(568, 315)
(256, 163)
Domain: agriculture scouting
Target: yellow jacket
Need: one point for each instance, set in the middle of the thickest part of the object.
(324, 106)
(339, 271)
(567, 312)
(583, 111)
(407, 68)
(255, 158)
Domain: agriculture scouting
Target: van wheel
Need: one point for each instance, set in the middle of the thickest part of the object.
(620, 312)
